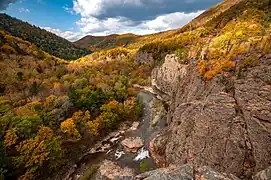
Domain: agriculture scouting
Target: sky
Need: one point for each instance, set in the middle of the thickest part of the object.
(74, 19)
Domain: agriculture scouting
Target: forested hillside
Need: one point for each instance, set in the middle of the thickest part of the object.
(213, 76)
(51, 109)
(106, 42)
(45, 40)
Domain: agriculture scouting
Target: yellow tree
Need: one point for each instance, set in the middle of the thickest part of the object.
(32, 156)
(11, 138)
(95, 125)
(68, 126)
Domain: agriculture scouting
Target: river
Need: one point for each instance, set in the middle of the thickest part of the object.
(146, 131)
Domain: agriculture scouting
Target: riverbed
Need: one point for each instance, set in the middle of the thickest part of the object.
(143, 129)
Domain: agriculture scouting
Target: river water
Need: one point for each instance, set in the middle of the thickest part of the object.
(116, 153)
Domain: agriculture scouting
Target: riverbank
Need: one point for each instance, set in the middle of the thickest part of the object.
(111, 152)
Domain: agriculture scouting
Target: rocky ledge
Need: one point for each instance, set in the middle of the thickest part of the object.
(223, 123)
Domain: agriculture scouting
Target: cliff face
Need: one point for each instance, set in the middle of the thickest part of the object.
(217, 82)
(224, 123)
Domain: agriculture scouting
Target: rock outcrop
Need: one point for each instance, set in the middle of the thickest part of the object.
(158, 111)
(132, 144)
(168, 74)
(110, 170)
(224, 123)
(185, 172)
(263, 175)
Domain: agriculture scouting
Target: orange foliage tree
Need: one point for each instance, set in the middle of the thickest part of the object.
(68, 126)
(209, 69)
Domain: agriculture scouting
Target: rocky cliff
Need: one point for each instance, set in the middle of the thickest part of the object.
(224, 123)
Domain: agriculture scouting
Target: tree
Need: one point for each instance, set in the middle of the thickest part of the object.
(95, 126)
(111, 114)
(10, 138)
(56, 154)
(32, 156)
(27, 126)
(44, 133)
(68, 126)
(4, 162)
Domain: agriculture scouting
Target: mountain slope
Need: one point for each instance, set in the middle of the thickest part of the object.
(238, 22)
(106, 42)
(52, 110)
(45, 40)
(215, 75)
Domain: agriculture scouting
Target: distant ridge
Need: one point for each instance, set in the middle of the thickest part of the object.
(106, 42)
(45, 40)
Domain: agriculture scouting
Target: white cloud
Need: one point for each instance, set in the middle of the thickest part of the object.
(91, 23)
(24, 10)
(96, 7)
(109, 25)
(170, 21)
(119, 25)
(68, 10)
(69, 35)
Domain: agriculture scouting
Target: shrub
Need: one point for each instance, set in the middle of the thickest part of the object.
(209, 69)
(94, 126)
(182, 54)
(8, 49)
(68, 126)
(250, 61)
(143, 166)
(88, 174)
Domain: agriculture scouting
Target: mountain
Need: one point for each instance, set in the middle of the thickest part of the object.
(214, 78)
(205, 89)
(106, 42)
(45, 40)
(53, 110)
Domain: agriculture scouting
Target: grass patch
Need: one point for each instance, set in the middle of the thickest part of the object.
(89, 174)
(143, 166)
(249, 62)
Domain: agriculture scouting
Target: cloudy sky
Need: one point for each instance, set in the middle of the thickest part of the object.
(73, 19)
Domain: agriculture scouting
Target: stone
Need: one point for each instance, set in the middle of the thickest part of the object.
(110, 170)
(134, 126)
(164, 77)
(132, 144)
(209, 174)
(157, 111)
(185, 172)
(157, 149)
(263, 175)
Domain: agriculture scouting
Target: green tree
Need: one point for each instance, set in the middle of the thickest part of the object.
(27, 126)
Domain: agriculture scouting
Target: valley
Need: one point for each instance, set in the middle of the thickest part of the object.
(191, 103)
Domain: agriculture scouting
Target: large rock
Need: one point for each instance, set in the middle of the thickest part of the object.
(132, 144)
(224, 123)
(185, 172)
(263, 175)
(110, 170)
(167, 75)
(158, 111)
